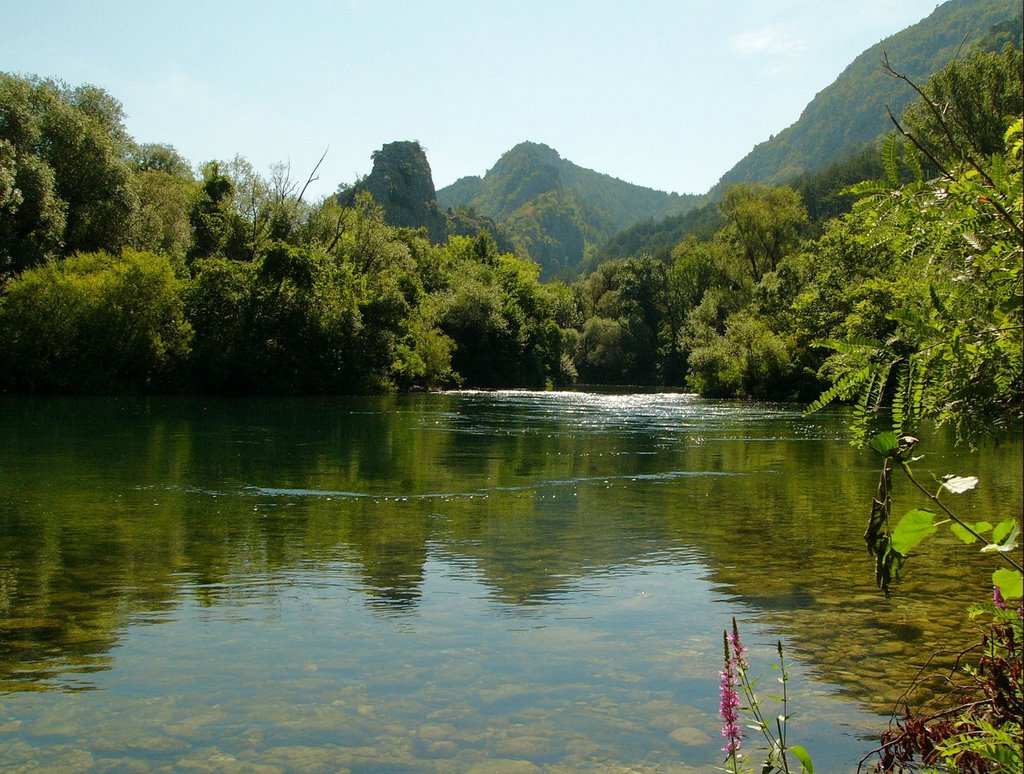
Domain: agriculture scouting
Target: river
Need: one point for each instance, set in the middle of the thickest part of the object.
(489, 582)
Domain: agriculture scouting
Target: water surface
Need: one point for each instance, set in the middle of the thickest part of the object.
(468, 581)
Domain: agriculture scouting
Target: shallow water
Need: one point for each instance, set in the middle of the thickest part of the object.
(468, 581)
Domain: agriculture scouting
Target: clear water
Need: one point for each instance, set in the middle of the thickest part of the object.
(490, 582)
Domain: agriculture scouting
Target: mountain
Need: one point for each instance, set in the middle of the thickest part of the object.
(851, 112)
(401, 182)
(570, 219)
(555, 210)
(834, 142)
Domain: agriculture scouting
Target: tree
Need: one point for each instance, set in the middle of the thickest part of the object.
(955, 358)
(288, 322)
(217, 229)
(967, 106)
(764, 224)
(628, 295)
(166, 188)
(749, 361)
(500, 318)
(75, 188)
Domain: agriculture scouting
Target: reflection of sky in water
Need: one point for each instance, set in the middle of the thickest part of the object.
(433, 583)
(617, 669)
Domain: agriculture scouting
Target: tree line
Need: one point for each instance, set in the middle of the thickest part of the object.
(124, 269)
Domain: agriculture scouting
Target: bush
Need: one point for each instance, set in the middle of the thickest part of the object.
(94, 323)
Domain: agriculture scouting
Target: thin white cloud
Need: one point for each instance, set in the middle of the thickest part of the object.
(771, 39)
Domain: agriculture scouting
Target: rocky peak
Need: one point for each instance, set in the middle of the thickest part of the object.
(401, 182)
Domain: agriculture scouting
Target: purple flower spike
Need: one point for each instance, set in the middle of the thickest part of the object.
(997, 598)
(738, 649)
(729, 705)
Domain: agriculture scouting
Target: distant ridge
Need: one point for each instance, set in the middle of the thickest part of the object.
(570, 219)
(850, 112)
(837, 132)
(555, 210)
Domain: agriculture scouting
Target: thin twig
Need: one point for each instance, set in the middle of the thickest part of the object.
(313, 176)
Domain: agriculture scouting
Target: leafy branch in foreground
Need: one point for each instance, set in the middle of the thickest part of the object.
(955, 353)
(977, 727)
(946, 345)
(890, 547)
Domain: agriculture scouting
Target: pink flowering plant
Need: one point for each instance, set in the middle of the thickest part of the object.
(735, 678)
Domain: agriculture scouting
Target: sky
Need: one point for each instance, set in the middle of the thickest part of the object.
(668, 94)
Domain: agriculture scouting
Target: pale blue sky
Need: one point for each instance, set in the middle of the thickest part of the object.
(663, 93)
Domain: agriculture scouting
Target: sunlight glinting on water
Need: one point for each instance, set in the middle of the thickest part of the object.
(443, 582)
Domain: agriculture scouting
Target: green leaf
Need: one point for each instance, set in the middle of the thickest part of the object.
(884, 443)
(1010, 583)
(914, 527)
(890, 160)
(1004, 541)
(1002, 529)
(841, 388)
(965, 537)
(804, 758)
(980, 527)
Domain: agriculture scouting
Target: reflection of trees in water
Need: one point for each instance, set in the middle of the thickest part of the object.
(115, 508)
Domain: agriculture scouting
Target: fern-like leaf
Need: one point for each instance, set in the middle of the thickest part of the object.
(890, 160)
(899, 399)
(843, 387)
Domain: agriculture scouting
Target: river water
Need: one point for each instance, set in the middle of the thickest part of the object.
(488, 582)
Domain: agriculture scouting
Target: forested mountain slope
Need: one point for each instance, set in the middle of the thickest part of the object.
(852, 110)
(834, 143)
(555, 209)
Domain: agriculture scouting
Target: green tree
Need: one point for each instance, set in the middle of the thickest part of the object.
(956, 354)
(167, 189)
(94, 323)
(764, 224)
(500, 318)
(968, 105)
(217, 229)
(623, 340)
(288, 322)
(749, 360)
(75, 187)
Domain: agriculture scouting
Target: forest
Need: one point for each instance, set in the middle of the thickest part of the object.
(122, 269)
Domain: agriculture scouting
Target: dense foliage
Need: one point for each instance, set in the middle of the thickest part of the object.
(243, 286)
(122, 269)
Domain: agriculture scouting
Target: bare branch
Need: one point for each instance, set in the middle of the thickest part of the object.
(945, 172)
(313, 176)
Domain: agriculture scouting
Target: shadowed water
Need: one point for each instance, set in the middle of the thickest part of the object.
(490, 581)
